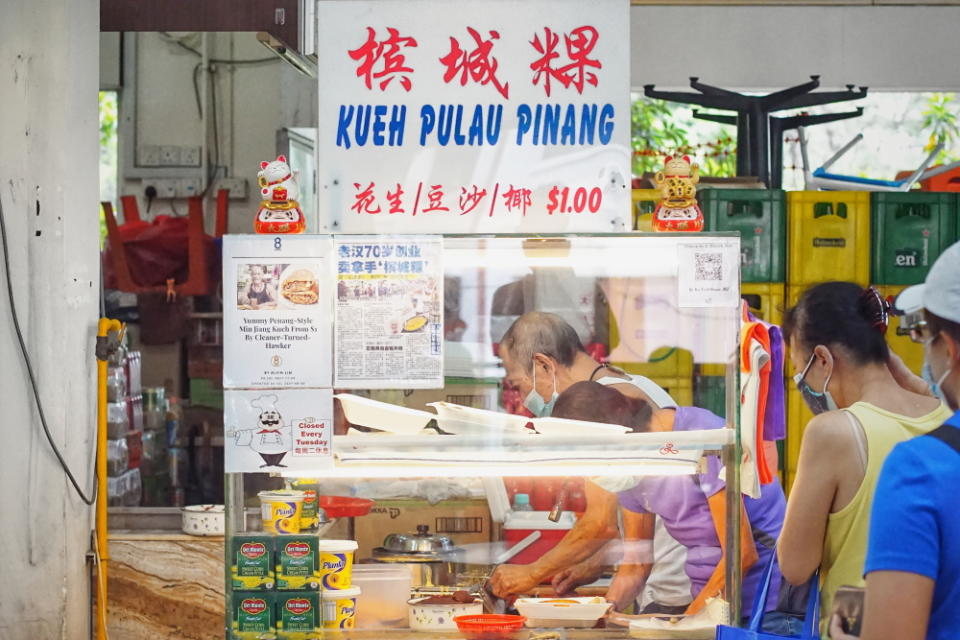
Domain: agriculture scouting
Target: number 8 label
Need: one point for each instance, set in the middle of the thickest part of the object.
(277, 243)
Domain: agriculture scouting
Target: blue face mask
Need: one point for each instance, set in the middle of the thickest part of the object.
(926, 372)
(818, 401)
(535, 402)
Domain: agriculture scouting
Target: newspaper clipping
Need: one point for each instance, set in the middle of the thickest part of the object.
(389, 312)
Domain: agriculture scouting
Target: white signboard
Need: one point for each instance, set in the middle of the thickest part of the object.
(278, 429)
(464, 117)
(389, 312)
(708, 272)
(276, 311)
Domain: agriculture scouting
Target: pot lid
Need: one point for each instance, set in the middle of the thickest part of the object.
(420, 542)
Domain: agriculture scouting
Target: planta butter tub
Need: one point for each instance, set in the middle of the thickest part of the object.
(338, 609)
(336, 563)
(280, 511)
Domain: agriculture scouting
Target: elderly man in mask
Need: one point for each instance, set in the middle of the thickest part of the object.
(543, 356)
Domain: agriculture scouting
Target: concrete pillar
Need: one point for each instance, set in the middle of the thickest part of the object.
(48, 186)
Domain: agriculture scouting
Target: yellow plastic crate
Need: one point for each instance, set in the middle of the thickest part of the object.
(828, 237)
(766, 299)
(798, 416)
(902, 345)
(644, 201)
(669, 367)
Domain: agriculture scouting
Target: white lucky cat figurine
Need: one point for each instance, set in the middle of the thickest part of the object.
(279, 210)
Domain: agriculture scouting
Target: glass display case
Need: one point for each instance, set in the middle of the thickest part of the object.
(426, 491)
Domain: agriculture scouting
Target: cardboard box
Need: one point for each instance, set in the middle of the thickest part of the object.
(465, 521)
(298, 615)
(253, 616)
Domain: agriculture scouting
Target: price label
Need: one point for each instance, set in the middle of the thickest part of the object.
(579, 200)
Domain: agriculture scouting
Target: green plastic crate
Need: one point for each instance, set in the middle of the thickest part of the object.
(760, 217)
(910, 230)
(206, 393)
(709, 392)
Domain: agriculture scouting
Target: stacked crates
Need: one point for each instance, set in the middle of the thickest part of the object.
(910, 231)
(828, 239)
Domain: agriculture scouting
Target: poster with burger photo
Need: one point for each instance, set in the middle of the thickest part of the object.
(276, 327)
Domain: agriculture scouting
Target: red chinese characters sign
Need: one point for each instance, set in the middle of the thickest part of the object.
(480, 117)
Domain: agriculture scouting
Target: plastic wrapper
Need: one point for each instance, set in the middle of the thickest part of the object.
(154, 459)
(134, 489)
(136, 413)
(116, 384)
(134, 375)
(117, 457)
(118, 420)
(125, 490)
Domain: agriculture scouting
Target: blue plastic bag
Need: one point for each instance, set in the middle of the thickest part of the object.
(811, 624)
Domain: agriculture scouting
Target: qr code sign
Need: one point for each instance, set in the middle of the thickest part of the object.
(708, 267)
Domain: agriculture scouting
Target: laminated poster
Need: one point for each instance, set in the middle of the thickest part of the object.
(389, 312)
(273, 431)
(276, 311)
(708, 272)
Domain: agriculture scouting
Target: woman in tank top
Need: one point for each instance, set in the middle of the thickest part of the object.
(840, 356)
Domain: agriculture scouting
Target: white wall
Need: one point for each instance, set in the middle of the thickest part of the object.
(48, 184)
(756, 47)
(254, 101)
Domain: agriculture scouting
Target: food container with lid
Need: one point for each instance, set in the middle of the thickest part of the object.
(428, 556)
(280, 511)
(562, 612)
(202, 519)
(336, 563)
(427, 616)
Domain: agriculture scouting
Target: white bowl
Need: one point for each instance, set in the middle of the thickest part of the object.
(383, 415)
(562, 612)
(551, 426)
(202, 520)
(462, 420)
(439, 617)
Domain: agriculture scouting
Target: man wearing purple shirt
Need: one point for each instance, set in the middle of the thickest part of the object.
(691, 507)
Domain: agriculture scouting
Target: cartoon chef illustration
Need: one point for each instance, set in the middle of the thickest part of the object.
(270, 438)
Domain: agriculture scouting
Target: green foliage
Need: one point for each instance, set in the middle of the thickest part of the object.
(659, 128)
(940, 122)
(108, 153)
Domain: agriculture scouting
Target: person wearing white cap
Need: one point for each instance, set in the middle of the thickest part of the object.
(913, 558)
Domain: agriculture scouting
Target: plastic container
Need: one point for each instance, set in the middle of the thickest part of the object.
(521, 502)
(339, 608)
(910, 231)
(280, 511)
(382, 415)
(828, 237)
(562, 612)
(336, 563)
(385, 590)
(760, 217)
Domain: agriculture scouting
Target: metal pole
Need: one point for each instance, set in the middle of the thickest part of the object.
(732, 456)
(235, 521)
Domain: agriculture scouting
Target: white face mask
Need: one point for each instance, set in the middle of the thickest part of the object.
(926, 372)
(535, 402)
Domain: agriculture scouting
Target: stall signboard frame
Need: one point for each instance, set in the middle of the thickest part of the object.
(487, 117)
